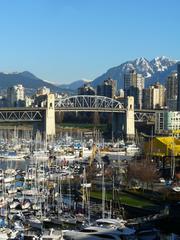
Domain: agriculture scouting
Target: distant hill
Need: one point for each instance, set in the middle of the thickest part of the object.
(28, 80)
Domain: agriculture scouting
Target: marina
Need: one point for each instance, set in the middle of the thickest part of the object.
(45, 193)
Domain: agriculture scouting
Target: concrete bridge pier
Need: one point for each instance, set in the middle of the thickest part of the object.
(50, 129)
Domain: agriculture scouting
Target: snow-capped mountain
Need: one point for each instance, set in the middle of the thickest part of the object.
(155, 70)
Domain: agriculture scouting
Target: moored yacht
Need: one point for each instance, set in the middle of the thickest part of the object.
(132, 149)
(35, 223)
(8, 234)
(52, 235)
(64, 218)
(11, 156)
(103, 229)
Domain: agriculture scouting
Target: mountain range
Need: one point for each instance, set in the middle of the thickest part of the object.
(158, 69)
(155, 70)
(28, 80)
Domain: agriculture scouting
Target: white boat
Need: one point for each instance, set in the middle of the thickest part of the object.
(132, 149)
(36, 207)
(110, 222)
(10, 171)
(40, 155)
(52, 235)
(9, 179)
(12, 191)
(18, 226)
(35, 223)
(93, 232)
(86, 152)
(14, 204)
(12, 155)
(66, 158)
(2, 202)
(29, 177)
(65, 218)
(30, 192)
(103, 229)
(176, 189)
(26, 205)
(8, 234)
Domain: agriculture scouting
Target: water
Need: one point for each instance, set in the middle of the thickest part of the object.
(20, 164)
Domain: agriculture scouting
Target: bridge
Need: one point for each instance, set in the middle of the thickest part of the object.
(79, 103)
(89, 103)
(42, 118)
(94, 103)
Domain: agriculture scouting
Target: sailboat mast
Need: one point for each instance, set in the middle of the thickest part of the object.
(103, 192)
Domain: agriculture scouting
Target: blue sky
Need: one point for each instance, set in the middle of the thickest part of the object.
(66, 40)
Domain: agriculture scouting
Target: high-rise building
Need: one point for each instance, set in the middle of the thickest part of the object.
(108, 88)
(15, 96)
(172, 91)
(86, 90)
(154, 97)
(129, 79)
(178, 77)
(133, 86)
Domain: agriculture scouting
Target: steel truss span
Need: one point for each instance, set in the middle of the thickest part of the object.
(89, 103)
(20, 115)
(145, 116)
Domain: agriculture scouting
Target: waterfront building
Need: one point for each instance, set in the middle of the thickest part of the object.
(15, 96)
(172, 91)
(133, 86)
(163, 147)
(167, 121)
(154, 97)
(107, 88)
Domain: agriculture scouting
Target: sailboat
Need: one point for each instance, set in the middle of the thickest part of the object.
(63, 217)
(86, 197)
